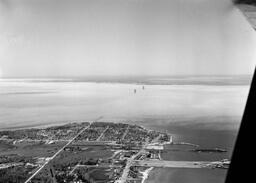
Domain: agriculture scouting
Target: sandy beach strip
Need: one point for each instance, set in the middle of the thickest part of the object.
(145, 174)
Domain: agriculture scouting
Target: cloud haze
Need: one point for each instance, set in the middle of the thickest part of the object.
(44, 38)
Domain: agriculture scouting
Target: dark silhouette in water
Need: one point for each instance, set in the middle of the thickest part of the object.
(134, 91)
(143, 87)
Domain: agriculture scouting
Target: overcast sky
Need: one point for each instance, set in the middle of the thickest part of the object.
(46, 38)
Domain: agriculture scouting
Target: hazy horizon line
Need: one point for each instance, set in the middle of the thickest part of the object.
(124, 76)
(146, 80)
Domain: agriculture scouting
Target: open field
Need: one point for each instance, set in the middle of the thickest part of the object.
(33, 149)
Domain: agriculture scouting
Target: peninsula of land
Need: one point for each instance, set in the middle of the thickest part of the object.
(89, 152)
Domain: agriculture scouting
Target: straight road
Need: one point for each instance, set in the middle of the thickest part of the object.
(130, 163)
(101, 135)
(49, 159)
(125, 133)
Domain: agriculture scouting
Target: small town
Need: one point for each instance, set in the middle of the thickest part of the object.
(89, 152)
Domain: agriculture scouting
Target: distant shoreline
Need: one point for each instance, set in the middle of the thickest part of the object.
(144, 80)
(53, 124)
(36, 126)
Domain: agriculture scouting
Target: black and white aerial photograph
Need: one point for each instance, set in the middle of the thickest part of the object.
(123, 91)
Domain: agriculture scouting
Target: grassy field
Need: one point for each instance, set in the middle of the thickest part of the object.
(35, 149)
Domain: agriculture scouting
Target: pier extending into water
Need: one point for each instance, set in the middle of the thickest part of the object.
(182, 164)
(172, 164)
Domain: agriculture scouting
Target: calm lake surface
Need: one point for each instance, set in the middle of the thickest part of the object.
(33, 103)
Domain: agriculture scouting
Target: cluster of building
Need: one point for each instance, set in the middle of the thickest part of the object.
(119, 133)
(127, 140)
(114, 133)
(64, 132)
(90, 134)
(110, 169)
(128, 143)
